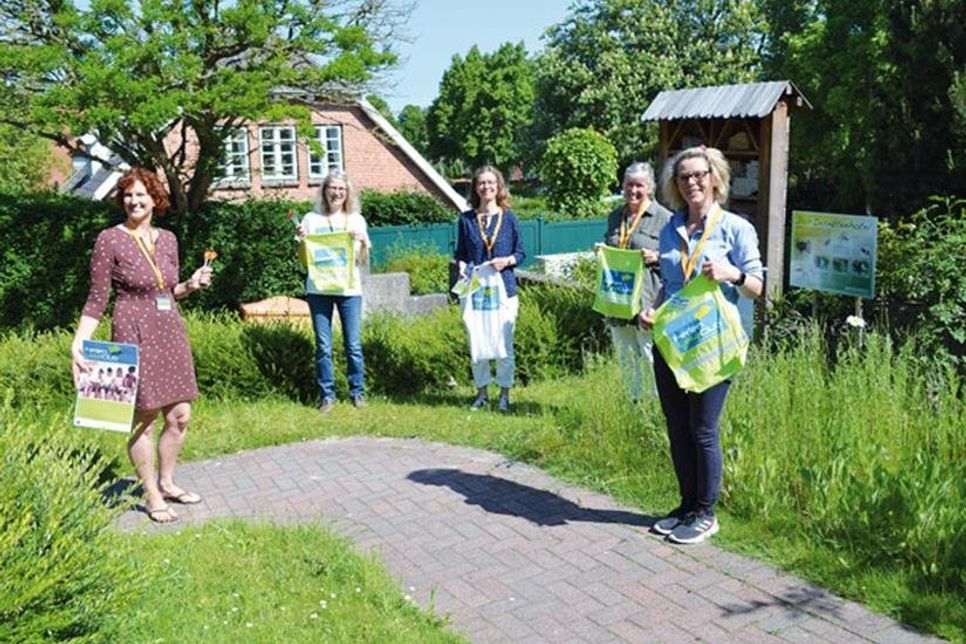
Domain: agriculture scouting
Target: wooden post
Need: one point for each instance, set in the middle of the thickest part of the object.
(773, 195)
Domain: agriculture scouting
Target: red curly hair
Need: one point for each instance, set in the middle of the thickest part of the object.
(151, 183)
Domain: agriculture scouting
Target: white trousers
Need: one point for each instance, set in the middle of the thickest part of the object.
(633, 348)
(505, 366)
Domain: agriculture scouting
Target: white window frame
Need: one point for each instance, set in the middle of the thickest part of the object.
(332, 158)
(278, 153)
(235, 166)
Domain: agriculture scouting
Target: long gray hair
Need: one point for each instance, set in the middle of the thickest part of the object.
(351, 197)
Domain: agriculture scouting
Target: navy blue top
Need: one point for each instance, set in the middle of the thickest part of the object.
(470, 248)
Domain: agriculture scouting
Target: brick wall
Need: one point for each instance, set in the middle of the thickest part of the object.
(369, 156)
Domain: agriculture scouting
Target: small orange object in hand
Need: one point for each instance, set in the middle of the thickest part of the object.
(210, 256)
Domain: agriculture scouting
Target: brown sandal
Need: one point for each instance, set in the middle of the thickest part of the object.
(183, 497)
(163, 514)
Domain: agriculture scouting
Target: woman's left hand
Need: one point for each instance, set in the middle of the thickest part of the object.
(720, 272)
(200, 279)
(500, 263)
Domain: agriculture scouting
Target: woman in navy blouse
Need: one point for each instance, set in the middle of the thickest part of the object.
(490, 233)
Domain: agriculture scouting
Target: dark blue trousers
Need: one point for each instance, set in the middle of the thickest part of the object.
(692, 427)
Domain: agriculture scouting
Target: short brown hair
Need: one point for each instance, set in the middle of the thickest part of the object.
(151, 183)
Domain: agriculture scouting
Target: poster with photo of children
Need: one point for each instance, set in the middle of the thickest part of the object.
(107, 386)
(833, 253)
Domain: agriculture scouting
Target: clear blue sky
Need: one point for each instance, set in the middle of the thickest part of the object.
(441, 28)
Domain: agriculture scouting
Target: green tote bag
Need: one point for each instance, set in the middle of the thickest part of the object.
(620, 277)
(699, 334)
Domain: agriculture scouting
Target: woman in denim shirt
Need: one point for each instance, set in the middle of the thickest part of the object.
(701, 237)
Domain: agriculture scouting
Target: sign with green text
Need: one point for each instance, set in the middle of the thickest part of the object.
(833, 253)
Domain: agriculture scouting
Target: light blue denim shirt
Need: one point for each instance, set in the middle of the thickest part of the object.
(732, 240)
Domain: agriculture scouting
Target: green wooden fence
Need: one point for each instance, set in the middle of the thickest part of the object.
(539, 238)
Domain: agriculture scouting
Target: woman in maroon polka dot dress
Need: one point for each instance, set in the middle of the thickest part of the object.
(140, 262)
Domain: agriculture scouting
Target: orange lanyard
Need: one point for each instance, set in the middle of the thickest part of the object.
(149, 254)
(489, 242)
(625, 234)
(687, 263)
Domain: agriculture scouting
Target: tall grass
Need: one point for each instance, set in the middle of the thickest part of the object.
(859, 452)
(851, 471)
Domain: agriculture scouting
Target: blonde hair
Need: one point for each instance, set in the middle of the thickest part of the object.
(717, 164)
(502, 193)
(351, 204)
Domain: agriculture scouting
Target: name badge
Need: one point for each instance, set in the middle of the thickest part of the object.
(164, 302)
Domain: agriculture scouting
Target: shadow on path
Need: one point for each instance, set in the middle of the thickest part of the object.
(501, 496)
(123, 493)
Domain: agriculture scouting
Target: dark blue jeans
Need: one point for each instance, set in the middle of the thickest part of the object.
(350, 315)
(692, 427)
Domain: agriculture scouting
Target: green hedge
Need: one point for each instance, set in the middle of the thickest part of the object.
(555, 331)
(47, 238)
(256, 248)
(428, 269)
(64, 569)
(46, 241)
(403, 207)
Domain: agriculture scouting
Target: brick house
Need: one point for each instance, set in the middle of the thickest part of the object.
(267, 159)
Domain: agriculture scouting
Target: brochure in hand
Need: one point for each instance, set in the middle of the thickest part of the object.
(107, 386)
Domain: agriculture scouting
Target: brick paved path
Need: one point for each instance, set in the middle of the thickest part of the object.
(513, 555)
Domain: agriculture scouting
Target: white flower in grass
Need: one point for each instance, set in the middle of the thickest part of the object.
(314, 616)
(332, 595)
(324, 604)
(358, 590)
(855, 322)
(249, 624)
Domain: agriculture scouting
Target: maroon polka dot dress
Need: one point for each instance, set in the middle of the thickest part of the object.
(167, 370)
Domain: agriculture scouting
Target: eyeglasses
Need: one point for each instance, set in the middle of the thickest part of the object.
(697, 176)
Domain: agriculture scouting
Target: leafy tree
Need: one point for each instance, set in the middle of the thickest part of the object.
(412, 125)
(577, 167)
(383, 108)
(485, 102)
(25, 160)
(882, 76)
(608, 60)
(136, 72)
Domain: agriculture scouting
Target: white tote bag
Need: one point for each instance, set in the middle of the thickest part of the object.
(486, 313)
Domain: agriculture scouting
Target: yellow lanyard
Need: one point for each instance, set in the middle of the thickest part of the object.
(687, 263)
(149, 254)
(625, 235)
(489, 242)
(328, 220)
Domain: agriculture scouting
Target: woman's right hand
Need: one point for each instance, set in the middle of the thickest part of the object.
(300, 232)
(646, 319)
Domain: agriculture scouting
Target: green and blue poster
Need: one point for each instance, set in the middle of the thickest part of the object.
(331, 262)
(107, 386)
(833, 253)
